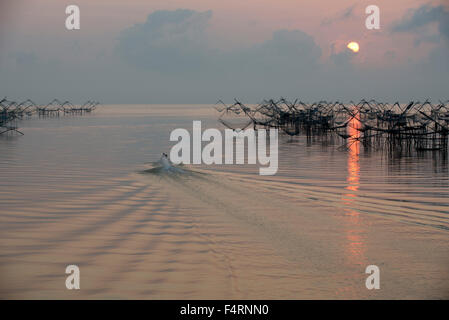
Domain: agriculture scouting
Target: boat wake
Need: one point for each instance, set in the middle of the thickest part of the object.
(164, 166)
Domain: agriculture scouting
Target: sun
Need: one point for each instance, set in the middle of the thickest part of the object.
(354, 46)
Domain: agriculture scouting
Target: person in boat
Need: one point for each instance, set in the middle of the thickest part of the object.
(166, 163)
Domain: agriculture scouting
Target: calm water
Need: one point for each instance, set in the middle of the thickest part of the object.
(71, 192)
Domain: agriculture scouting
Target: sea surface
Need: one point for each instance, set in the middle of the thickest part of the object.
(80, 190)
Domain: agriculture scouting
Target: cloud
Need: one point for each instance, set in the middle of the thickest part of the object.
(24, 59)
(345, 15)
(342, 59)
(277, 66)
(175, 42)
(286, 50)
(291, 44)
(167, 41)
(433, 71)
(423, 16)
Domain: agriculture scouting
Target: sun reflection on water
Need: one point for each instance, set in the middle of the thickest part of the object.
(355, 246)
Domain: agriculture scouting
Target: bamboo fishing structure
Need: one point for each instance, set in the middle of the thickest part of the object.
(419, 126)
(11, 111)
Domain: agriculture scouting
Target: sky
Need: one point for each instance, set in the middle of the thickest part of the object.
(199, 51)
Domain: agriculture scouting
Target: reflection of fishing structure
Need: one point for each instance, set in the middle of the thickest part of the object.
(11, 111)
(413, 126)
